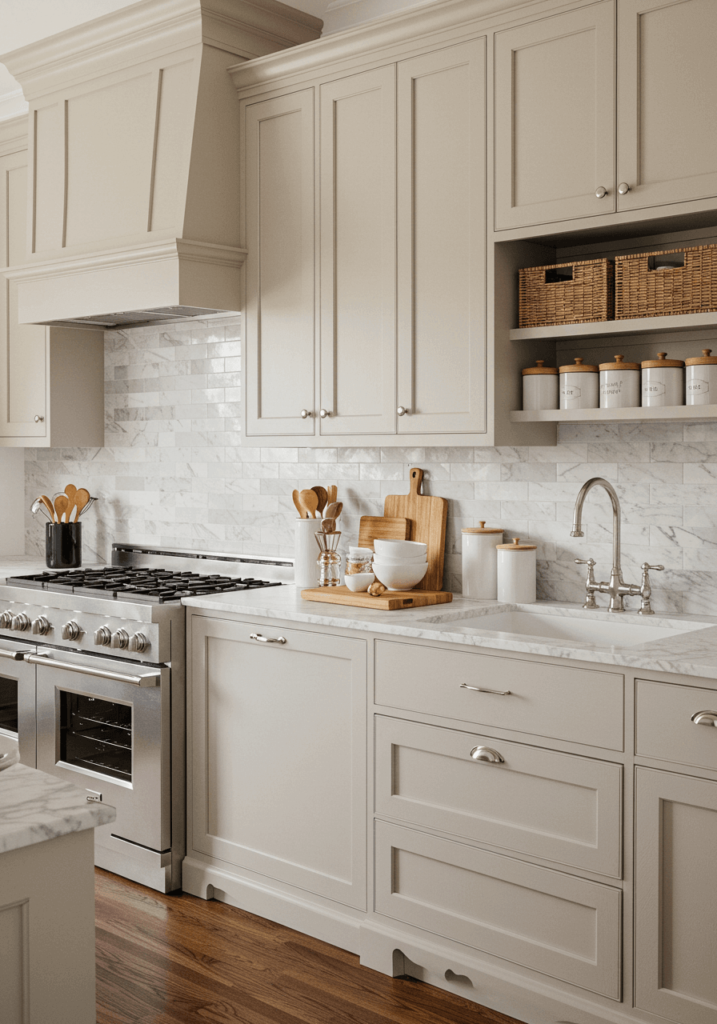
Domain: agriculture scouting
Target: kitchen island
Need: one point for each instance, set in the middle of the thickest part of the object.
(47, 926)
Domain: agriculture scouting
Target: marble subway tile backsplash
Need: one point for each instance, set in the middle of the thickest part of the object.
(175, 473)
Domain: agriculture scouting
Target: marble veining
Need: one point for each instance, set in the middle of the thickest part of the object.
(35, 807)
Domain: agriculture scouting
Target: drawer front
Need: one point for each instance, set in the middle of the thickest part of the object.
(554, 701)
(538, 802)
(562, 926)
(665, 729)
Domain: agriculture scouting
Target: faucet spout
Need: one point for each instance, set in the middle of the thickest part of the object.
(616, 587)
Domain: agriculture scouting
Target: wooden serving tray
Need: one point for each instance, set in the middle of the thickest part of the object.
(390, 601)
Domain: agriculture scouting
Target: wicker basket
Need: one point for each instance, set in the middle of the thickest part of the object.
(641, 289)
(548, 297)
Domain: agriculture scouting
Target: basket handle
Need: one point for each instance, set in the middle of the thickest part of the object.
(666, 261)
(558, 275)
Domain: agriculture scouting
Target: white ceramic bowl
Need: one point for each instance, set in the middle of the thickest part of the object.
(359, 581)
(399, 560)
(405, 549)
(400, 577)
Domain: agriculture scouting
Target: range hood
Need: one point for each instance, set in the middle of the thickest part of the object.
(134, 160)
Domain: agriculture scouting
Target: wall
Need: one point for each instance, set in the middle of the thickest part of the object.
(12, 508)
(174, 473)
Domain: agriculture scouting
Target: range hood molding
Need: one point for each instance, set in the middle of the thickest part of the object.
(133, 131)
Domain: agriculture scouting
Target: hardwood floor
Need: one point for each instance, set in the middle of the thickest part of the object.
(181, 960)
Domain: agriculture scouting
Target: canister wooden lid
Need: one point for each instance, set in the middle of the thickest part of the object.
(706, 359)
(578, 368)
(539, 368)
(661, 361)
(515, 545)
(482, 528)
(620, 365)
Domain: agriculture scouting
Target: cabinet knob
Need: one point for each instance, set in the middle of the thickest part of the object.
(39, 419)
(623, 188)
(305, 413)
(705, 718)
(487, 754)
(600, 192)
(323, 413)
(402, 410)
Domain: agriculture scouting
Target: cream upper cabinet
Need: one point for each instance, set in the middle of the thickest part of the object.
(441, 241)
(555, 118)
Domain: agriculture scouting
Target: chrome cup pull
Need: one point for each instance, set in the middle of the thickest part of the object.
(705, 718)
(483, 689)
(267, 639)
(487, 754)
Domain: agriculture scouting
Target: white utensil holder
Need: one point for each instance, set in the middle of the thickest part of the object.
(306, 571)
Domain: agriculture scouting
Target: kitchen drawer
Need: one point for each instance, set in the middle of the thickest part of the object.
(557, 924)
(538, 802)
(665, 729)
(554, 701)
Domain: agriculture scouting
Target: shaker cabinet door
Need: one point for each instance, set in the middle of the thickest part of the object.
(442, 241)
(555, 118)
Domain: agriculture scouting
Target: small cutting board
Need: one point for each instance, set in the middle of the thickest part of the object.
(428, 517)
(373, 528)
(390, 601)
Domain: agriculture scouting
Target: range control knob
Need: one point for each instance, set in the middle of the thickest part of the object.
(103, 636)
(5, 620)
(138, 643)
(20, 622)
(71, 631)
(120, 639)
(41, 625)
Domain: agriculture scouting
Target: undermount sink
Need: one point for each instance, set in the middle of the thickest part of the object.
(581, 628)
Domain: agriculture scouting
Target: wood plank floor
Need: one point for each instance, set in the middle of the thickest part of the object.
(181, 960)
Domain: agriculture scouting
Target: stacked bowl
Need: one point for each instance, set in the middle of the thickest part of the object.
(400, 564)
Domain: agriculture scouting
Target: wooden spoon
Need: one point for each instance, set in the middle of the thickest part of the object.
(62, 506)
(49, 506)
(334, 510)
(323, 497)
(329, 526)
(71, 491)
(310, 502)
(299, 507)
(82, 497)
(332, 493)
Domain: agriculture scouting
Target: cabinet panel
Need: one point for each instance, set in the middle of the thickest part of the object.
(278, 759)
(555, 117)
(358, 253)
(675, 896)
(667, 84)
(539, 802)
(557, 924)
(280, 197)
(441, 240)
(665, 729)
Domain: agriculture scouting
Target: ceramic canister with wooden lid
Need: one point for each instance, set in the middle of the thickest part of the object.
(663, 381)
(701, 379)
(540, 386)
(619, 384)
(579, 386)
(480, 560)
(516, 572)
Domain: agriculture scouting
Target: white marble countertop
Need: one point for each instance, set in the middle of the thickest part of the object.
(692, 653)
(35, 807)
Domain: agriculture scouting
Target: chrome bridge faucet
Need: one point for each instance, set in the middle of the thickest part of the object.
(616, 588)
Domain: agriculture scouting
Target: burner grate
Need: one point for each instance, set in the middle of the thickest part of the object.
(156, 585)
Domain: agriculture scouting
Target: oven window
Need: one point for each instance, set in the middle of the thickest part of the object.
(8, 705)
(96, 734)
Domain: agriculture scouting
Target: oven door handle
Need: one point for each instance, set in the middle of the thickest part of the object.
(13, 655)
(98, 673)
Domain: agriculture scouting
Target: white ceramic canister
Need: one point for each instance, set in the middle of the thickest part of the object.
(480, 559)
(579, 386)
(540, 387)
(701, 379)
(306, 570)
(516, 572)
(620, 384)
(663, 381)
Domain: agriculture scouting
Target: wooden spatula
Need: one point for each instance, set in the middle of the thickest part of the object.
(297, 502)
(321, 494)
(49, 506)
(62, 507)
(310, 502)
(82, 497)
(334, 510)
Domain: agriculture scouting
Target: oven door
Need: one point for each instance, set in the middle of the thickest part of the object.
(17, 700)
(104, 725)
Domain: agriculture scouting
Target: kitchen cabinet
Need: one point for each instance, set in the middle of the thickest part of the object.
(51, 379)
(590, 121)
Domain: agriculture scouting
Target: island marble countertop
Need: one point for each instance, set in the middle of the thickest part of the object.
(35, 807)
(692, 653)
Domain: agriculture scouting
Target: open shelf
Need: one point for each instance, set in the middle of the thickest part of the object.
(618, 328)
(694, 413)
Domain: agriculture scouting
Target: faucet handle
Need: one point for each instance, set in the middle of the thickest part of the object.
(645, 567)
(591, 562)
(590, 584)
(645, 590)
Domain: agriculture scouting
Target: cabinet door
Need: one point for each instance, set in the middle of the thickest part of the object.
(23, 347)
(441, 241)
(555, 118)
(280, 272)
(675, 896)
(667, 90)
(278, 762)
(358, 253)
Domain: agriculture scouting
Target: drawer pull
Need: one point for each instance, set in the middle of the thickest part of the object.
(487, 754)
(482, 689)
(705, 718)
(267, 639)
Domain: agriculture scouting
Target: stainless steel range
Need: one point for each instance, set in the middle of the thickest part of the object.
(92, 688)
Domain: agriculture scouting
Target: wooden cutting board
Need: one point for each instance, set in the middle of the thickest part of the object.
(391, 601)
(428, 517)
(373, 528)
